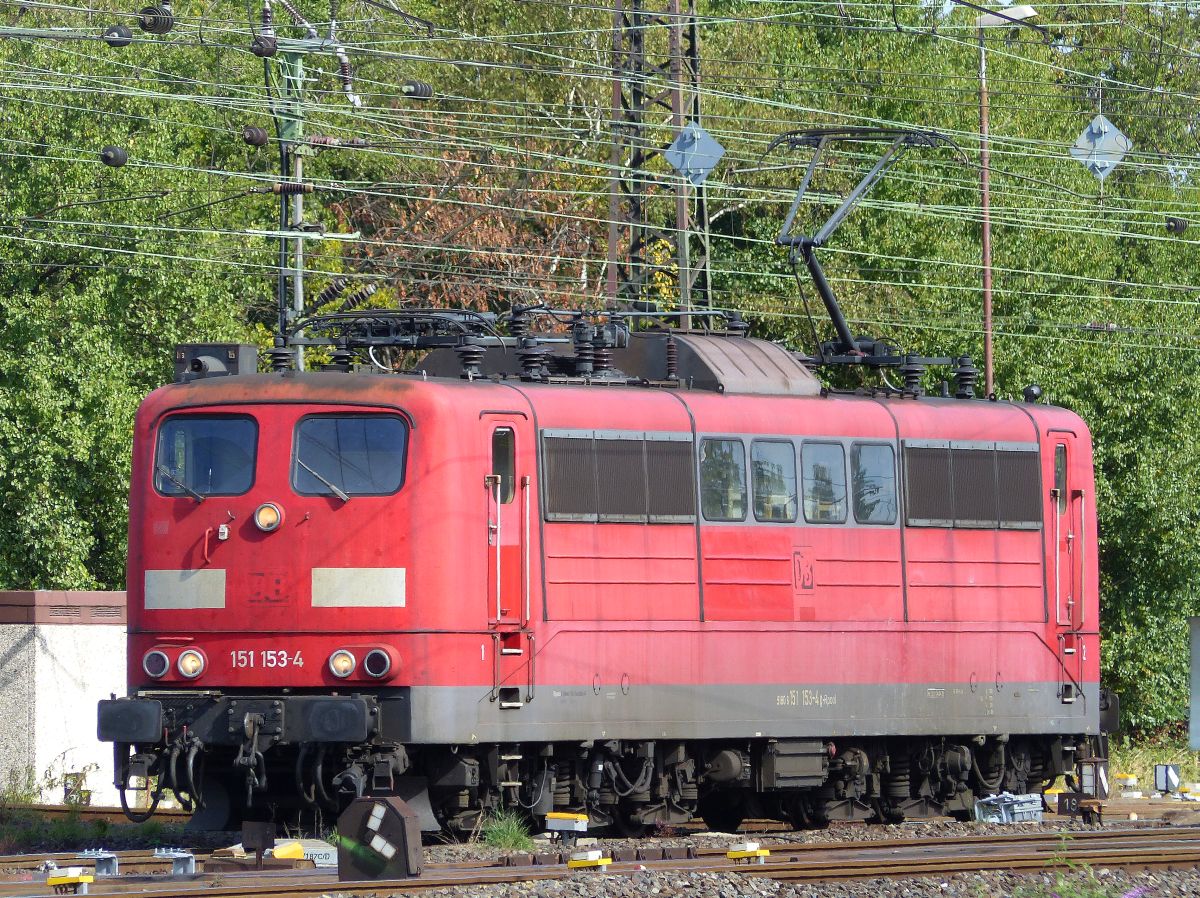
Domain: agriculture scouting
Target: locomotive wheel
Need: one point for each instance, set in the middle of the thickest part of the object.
(722, 813)
(630, 828)
(808, 812)
(223, 805)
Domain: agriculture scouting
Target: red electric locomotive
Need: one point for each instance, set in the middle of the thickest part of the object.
(643, 574)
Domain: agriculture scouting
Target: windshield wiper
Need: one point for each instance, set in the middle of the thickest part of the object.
(164, 471)
(333, 488)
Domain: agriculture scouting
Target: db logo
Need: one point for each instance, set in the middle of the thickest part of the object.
(805, 571)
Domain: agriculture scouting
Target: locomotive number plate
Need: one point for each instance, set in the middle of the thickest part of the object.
(242, 658)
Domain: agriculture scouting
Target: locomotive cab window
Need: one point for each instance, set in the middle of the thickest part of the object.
(824, 472)
(205, 455)
(773, 470)
(349, 455)
(723, 480)
(504, 461)
(873, 478)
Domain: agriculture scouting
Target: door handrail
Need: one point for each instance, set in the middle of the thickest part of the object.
(525, 553)
(493, 481)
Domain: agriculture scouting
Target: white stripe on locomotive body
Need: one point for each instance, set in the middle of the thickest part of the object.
(184, 590)
(358, 587)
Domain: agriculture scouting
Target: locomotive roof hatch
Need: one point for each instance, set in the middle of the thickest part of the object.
(703, 361)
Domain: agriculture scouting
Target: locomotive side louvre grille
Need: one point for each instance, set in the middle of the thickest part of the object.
(621, 476)
(929, 500)
(670, 479)
(1020, 502)
(618, 476)
(978, 485)
(974, 488)
(569, 478)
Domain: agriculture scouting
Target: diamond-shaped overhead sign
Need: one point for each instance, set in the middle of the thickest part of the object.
(1101, 146)
(694, 153)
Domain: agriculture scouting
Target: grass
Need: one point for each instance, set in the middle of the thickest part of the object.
(25, 832)
(1079, 882)
(507, 831)
(1139, 758)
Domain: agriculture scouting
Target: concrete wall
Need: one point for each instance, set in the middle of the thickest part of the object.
(60, 653)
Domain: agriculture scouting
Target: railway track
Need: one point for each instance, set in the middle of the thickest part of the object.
(1136, 849)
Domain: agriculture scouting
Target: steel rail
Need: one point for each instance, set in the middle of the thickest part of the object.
(1139, 848)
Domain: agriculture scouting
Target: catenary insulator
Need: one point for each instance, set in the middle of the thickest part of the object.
(264, 46)
(418, 90)
(357, 298)
(156, 19)
(290, 188)
(332, 291)
(117, 36)
(310, 31)
(114, 157)
(255, 136)
(347, 80)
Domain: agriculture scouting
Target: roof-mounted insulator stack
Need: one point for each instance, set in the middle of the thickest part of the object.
(735, 324)
(965, 375)
(672, 352)
(533, 359)
(470, 355)
(341, 359)
(585, 355)
(912, 371)
(282, 358)
(518, 323)
(602, 353)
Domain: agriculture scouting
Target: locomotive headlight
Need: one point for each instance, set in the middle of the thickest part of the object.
(342, 663)
(191, 663)
(156, 663)
(377, 663)
(268, 517)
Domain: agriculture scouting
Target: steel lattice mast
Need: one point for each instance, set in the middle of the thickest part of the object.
(656, 81)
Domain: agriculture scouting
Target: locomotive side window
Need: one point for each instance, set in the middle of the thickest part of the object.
(979, 485)
(569, 477)
(723, 480)
(873, 477)
(349, 455)
(504, 461)
(206, 455)
(670, 481)
(773, 470)
(824, 467)
(1019, 493)
(975, 487)
(612, 476)
(929, 500)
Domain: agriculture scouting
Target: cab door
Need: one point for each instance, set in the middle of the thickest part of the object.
(1066, 517)
(507, 486)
